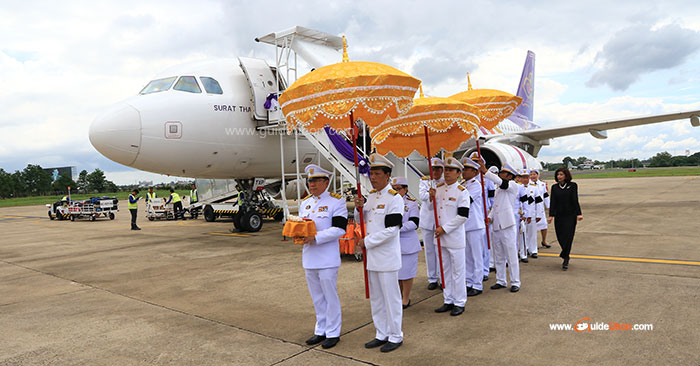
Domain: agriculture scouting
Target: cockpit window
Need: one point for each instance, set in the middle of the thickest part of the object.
(188, 84)
(211, 85)
(158, 85)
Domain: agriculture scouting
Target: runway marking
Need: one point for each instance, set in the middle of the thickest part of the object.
(628, 259)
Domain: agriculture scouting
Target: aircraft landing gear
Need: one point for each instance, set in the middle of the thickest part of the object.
(253, 202)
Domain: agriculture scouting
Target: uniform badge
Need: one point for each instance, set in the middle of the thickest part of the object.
(380, 206)
(308, 207)
(452, 199)
(405, 208)
(323, 209)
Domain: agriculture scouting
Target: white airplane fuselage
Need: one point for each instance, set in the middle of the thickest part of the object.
(201, 135)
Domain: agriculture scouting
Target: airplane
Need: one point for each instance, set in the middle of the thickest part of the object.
(207, 119)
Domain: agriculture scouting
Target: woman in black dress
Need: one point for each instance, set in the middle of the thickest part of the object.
(564, 206)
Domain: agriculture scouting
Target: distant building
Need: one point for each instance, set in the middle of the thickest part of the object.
(64, 171)
(145, 184)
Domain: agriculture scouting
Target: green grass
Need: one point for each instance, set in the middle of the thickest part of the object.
(640, 172)
(121, 196)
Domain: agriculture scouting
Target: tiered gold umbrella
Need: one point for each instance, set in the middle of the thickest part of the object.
(495, 106)
(349, 89)
(444, 122)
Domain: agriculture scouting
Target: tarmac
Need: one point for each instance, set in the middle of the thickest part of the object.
(195, 293)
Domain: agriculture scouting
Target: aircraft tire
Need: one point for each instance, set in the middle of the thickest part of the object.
(252, 221)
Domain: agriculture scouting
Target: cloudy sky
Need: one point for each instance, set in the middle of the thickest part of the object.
(61, 63)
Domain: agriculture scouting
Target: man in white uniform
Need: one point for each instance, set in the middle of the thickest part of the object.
(453, 209)
(474, 228)
(504, 229)
(537, 215)
(383, 213)
(542, 224)
(427, 221)
(522, 207)
(321, 254)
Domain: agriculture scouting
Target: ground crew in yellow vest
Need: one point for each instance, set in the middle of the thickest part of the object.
(453, 210)
(151, 195)
(427, 221)
(502, 217)
(133, 208)
(194, 198)
(321, 255)
(383, 213)
(177, 204)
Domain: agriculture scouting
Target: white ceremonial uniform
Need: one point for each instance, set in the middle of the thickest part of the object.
(488, 249)
(474, 229)
(383, 262)
(410, 244)
(537, 212)
(542, 225)
(504, 230)
(450, 198)
(522, 213)
(321, 259)
(427, 227)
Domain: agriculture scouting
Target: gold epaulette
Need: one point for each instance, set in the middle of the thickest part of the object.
(461, 188)
(410, 198)
(373, 191)
(392, 192)
(336, 195)
(441, 184)
(425, 178)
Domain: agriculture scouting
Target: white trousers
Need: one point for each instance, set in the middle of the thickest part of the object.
(431, 256)
(505, 249)
(531, 236)
(322, 286)
(474, 259)
(385, 300)
(488, 252)
(453, 264)
(522, 238)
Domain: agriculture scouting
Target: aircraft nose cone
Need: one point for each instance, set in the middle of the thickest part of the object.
(116, 133)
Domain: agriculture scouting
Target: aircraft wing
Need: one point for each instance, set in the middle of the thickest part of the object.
(597, 129)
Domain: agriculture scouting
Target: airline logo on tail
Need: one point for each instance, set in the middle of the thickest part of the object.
(526, 90)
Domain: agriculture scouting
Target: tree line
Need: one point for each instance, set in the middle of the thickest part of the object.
(662, 159)
(35, 181)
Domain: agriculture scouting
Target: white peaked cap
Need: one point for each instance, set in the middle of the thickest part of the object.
(453, 163)
(315, 171)
(508, 168)
(437, 162)
(399, 181)
(376, 160)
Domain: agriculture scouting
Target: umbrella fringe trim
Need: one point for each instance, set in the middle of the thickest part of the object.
(394, 129)
(392, 101)
(351, 89)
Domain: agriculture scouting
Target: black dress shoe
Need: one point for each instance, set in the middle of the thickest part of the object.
(565, 265)
(486, 278)
(330, 342)
(524, 260)
(533, 255)
(457, 310)
(375, 343)
(497, 286)
(136, 228)
(390, 346)
(469, 288)
(514, 288)
(407, 305)
(492, 269)
(473, 292)
(545, 245)
(432, 286)
(444, 308)
(316, 339)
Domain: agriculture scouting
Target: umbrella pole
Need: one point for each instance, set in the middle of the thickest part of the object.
(430, 166)
(359, 194)
(483, 195)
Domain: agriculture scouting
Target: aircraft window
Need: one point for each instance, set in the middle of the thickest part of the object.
(188, 84)
(158, 85)
(211, 85)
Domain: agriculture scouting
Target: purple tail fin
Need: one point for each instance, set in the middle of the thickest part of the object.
(526, 90)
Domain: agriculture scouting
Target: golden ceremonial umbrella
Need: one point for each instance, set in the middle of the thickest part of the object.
(495, 106)
(369, 91)
(444, 122)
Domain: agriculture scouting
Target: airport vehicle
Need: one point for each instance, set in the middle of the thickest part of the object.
(157, 210)
(58, 210)
(93, 208)
(215, 119)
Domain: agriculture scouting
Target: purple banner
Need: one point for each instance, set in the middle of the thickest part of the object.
(343, 147)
